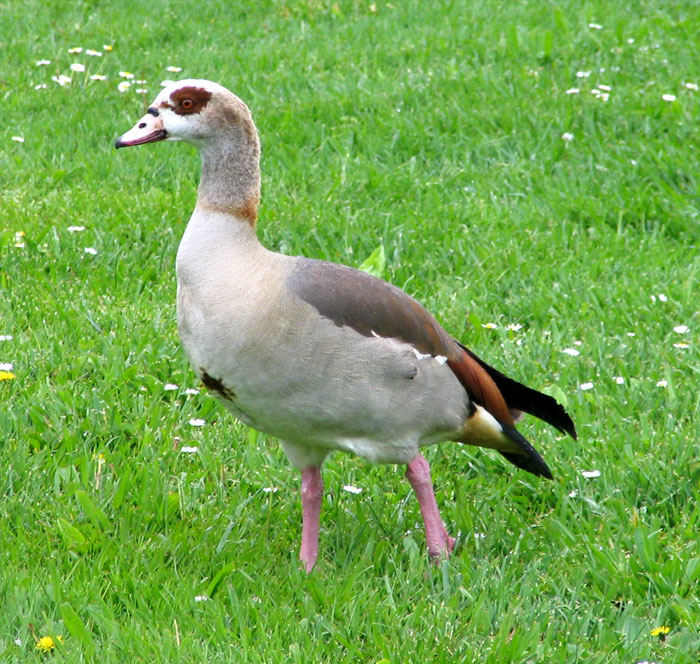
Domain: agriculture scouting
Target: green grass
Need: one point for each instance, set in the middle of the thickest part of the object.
(433, 129)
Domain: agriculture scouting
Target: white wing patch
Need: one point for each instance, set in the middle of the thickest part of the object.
(419, 355)
(440, 359)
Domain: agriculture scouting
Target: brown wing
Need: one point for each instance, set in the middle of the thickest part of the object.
(371, 306)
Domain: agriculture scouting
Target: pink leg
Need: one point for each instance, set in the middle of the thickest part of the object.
(440, 544)
(311, 496)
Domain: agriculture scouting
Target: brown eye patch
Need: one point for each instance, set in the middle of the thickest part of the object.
(189, 100)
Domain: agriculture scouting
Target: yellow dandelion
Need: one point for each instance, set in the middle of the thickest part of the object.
(660, 631)
(6, 375)
(47, 644)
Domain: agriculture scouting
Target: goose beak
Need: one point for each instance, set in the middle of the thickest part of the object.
(147, 130)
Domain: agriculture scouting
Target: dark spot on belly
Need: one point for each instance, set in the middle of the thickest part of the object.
(216, 385)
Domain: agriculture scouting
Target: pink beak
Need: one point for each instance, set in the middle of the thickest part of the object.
(147, 130)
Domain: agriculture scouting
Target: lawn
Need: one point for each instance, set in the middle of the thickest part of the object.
(531, 171)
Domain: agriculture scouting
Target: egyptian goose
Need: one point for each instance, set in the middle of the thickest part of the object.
(322, 356)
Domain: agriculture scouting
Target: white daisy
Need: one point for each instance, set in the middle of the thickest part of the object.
(585, 386)
(61, 79)
(352, 489)
(197, 422)
(76, 66)
(567, 137)
(668, 97)
(590, 474)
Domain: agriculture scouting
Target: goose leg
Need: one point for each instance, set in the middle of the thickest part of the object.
(311, 497)
(440, 544)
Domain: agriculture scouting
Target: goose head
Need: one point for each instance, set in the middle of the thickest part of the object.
(195, 111)
(219, 124)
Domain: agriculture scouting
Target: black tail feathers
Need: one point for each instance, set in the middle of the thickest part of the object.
(530, 458)
(521, 397)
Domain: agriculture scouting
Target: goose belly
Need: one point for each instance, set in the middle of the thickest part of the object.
(320, 385)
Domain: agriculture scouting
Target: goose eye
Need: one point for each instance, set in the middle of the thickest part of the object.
(187, 104)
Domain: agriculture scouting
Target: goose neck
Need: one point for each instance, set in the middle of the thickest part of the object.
(230, 181)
